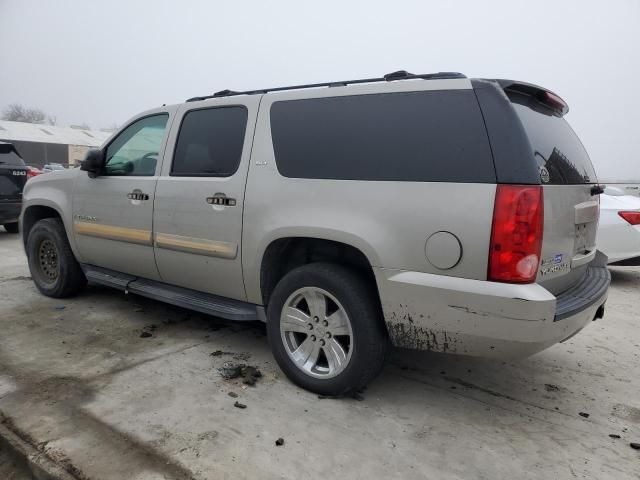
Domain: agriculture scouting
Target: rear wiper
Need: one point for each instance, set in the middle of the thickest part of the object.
(597, 189)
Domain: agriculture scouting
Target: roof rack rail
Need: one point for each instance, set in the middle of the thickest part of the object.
(389, 77)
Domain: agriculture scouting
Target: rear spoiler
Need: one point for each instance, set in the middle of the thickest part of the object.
(536, 96)
(8, 148)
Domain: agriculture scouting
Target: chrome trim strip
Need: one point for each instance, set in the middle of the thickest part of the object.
(109, 232)
(200, 246)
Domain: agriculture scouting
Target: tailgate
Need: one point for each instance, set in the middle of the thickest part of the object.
(571, 207)
(569, 242)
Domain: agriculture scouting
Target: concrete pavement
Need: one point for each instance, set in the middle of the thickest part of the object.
(79, 383)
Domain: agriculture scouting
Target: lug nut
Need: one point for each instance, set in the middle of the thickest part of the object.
(328, 335)
(316, 319)
(325, 323)
(313, 338)
(310, 326)
(322, 342)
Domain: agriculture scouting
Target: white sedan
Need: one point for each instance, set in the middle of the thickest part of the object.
(619, 229)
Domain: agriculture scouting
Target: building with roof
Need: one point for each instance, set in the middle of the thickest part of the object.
(41, 144)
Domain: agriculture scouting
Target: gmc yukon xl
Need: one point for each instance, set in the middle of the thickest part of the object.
(431, 212)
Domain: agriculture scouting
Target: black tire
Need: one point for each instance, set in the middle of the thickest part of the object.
(12, 227)
(69, 278)
(360, 301)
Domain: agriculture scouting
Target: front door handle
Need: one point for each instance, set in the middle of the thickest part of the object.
(137, 195)
(221, 200)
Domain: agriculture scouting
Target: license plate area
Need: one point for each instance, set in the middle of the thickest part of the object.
(581, 239)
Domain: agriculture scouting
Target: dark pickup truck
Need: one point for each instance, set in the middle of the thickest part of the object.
(13, 176)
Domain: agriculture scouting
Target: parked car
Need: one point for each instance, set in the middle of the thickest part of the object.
(319, 210)
(52, 167)
(627, 188)
(619, 230)
(33, 171)
(13, 176)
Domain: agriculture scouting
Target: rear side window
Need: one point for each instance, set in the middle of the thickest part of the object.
(556, 148)
(435, 136)
(210, 142)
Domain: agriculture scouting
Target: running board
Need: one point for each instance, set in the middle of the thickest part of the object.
(181, 297)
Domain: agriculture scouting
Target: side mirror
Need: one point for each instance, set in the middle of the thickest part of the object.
(93, 162)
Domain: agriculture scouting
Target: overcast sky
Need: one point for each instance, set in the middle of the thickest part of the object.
(101, 62)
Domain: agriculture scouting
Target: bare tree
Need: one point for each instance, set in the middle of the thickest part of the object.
(19, 113)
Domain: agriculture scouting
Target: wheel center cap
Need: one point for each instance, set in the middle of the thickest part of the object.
(321, 330)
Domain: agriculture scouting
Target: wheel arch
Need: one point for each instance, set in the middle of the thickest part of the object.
(283, 254)
(34, 213)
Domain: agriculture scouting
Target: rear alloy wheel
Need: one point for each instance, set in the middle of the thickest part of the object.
(11, 227)
(316, 332)
(54, 268)
(325, 328)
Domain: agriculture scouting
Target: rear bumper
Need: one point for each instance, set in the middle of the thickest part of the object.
(9, 212)
(472, 317)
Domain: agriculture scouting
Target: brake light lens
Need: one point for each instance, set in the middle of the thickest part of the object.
(516, 234)
(555, 102)
(631, 217)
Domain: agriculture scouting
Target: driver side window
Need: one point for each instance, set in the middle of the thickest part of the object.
(135, 151)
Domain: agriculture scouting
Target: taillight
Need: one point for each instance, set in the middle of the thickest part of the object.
(632, 217)
(32, 172)
(516, 234)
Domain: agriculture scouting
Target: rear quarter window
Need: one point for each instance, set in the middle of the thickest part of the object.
(434, 136)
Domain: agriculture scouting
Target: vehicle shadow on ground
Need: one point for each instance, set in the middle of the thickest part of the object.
(6, 236)
(625, 276)
(508, 379)
(531, 383)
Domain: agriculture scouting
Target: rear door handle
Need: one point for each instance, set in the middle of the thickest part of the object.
(221, 200)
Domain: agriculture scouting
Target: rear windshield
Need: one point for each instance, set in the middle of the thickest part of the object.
(434, 136)
(9, 157)
(556, 147)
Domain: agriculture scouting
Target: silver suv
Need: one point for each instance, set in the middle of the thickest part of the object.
(432, 212)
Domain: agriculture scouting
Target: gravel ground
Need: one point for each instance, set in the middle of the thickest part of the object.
(80, 382)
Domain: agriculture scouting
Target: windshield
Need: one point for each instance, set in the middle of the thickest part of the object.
(556, 147)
